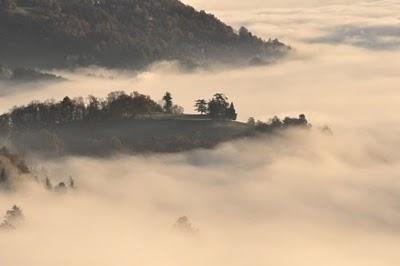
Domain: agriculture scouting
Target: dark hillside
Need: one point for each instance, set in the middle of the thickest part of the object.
(132, 135)
(120, 33)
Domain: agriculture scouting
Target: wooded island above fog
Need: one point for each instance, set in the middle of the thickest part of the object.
(128, 122)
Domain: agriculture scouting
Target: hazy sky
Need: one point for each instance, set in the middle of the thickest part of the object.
(300, 199)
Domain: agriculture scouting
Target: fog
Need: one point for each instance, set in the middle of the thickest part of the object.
(301, 198)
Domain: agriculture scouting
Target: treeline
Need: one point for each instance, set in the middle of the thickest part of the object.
(116, 106)
(120, 33)
(276, 123)
(125, 123)
(51, 113)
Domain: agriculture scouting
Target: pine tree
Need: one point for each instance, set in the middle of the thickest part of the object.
(168, 104)
(231, 114)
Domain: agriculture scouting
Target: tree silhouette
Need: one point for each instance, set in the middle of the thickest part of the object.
(201, 106)
(92, 108)
(299, 122)
(218, 106)
(167, 99)
(231, 113)
(177, 110)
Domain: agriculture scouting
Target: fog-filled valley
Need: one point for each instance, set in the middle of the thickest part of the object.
(322, 195)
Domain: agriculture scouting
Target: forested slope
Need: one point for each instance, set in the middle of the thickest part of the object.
(121, 33)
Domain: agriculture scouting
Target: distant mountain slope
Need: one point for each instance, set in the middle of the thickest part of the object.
(121, 33)
(25, 75)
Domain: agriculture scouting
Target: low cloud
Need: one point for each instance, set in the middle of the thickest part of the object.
(276, 198)
(372, 37)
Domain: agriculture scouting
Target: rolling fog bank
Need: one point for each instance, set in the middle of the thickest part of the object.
(302, 198)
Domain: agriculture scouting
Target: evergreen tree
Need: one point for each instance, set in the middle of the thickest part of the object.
(168, 104)
(231, 114)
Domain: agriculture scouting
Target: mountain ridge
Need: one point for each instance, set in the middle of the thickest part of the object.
(122, 33)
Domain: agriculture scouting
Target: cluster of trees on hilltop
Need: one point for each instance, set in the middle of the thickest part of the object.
(119, 33)
(218, 107)
(117, 105)
(124, 122)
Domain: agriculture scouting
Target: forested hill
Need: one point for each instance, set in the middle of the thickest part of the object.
(128, 123)
(121, 33)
